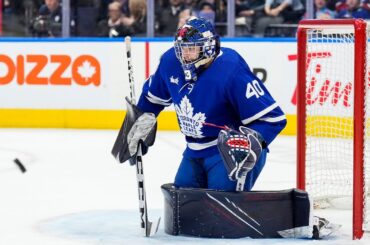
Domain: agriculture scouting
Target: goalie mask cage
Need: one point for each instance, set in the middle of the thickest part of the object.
(333, 125)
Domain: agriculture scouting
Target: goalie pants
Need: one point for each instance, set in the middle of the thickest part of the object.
(210, 173)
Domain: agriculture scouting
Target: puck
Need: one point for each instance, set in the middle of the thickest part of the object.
(20, 165)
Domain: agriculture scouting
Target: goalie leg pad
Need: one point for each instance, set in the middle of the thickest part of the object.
(217, 214)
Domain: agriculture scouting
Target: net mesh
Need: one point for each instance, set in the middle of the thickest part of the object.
(329, 118)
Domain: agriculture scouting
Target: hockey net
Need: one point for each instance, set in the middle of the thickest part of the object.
(333, 136)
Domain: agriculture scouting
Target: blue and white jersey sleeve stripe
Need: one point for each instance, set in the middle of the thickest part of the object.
(273, 119)
(155, 95)
(260, 114)
(156, 100)
(254, 104)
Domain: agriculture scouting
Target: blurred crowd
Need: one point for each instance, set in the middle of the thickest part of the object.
(117, 18)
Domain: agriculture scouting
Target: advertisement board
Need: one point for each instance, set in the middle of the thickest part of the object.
(82, 83)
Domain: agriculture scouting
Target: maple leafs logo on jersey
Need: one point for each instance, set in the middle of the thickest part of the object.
(191, 125)
(174, 80)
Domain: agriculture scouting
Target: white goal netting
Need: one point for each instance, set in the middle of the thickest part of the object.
(329, 110)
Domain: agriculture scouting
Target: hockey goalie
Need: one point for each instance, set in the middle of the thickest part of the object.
(229, 119)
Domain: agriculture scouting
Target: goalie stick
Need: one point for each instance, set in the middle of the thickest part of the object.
(149, 228)
(241, 181)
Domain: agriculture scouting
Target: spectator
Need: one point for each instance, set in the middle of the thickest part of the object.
(125, 8)
(322, 12)
(113, 26)
(87, 16)
(340, 5)
(207, 11)
(183, 17)
(272, 15)
(7, 7)
(137, 19)
(279, 11)
(332, 4)
(365, 4)
(291, 10)
(48, 23)
(167, 18)
(191, 4)
(221, 10)
(103, 7)
(354, 10)
(11, 19)
(246, 12)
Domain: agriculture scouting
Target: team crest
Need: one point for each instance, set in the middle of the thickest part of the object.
(190, 124)
(174, 80)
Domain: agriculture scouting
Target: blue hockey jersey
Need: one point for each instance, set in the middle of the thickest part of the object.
(226, 93)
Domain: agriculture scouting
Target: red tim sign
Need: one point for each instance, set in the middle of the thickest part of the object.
(321, 92)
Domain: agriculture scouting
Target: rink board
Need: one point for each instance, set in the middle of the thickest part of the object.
(81, 83)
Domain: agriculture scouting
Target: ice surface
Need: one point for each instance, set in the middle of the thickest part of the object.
(75, 193)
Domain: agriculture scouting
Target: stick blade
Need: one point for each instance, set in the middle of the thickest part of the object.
(241, 181)
(152, 227)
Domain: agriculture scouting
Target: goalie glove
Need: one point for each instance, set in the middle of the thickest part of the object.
(240, 150)
(137, 128)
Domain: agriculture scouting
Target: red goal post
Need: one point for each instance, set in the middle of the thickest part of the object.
(332, 119)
